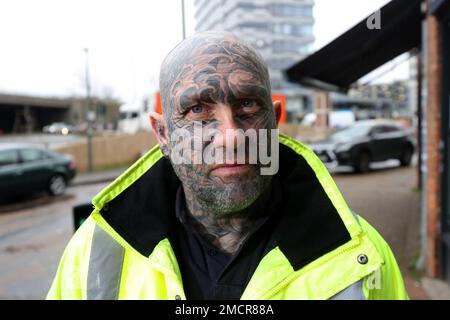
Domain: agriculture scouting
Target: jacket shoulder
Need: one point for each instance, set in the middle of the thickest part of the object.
(387, 283)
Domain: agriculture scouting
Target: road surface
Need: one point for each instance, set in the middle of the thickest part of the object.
(32, 242)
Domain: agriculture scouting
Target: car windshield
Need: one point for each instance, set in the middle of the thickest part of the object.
(351, 132)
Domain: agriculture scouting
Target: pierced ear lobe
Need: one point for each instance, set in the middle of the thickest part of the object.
(159, 128)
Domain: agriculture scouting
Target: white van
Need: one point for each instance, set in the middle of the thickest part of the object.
(133, 119)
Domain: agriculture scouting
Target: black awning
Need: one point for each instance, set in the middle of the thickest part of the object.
(361, 50)
(434, 6)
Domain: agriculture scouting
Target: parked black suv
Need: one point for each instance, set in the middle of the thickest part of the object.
(365, 142)
(26, 169)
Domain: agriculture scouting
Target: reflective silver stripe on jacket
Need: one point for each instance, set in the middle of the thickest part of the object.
(105, 267)
(353, 292)
(355, 215)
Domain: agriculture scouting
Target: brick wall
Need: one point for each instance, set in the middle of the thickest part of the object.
(433, 161)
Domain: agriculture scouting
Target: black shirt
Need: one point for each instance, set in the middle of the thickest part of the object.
(209, 273)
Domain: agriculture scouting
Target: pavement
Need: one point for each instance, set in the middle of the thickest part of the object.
(32, 241)
(97, 177)
(436, 289)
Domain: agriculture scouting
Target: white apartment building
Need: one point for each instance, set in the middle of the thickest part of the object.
(281, 30)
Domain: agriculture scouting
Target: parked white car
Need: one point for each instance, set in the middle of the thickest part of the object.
(59, 128)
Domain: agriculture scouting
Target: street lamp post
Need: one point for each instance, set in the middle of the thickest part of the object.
(183, 20)
(89, 115)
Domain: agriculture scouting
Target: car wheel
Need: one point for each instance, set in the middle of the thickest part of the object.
(405, 159)
(363, 162)
(57, 185)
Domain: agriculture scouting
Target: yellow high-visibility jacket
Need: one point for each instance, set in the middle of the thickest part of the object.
(324, 251)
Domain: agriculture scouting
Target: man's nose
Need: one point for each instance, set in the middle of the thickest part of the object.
(228, 128)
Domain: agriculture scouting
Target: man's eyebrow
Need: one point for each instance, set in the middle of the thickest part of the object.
(188, 97)
(193, 96)
(250, 91)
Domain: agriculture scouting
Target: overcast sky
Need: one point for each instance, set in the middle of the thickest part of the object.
(42, 42)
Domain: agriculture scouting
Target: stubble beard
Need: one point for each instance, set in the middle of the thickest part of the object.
(223, 198)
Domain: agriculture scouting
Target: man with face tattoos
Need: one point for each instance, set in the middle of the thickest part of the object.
(180, 227)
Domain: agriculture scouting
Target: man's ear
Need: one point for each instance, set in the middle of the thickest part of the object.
(277, 109)
(159, 127)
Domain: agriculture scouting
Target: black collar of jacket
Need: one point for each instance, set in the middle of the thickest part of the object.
(310, 226)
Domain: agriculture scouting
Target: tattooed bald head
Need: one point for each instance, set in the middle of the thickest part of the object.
(220, 61)
(220, 82)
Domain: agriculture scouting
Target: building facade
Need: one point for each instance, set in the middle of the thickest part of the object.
(281, 30)
(27, 114)
(395, 97)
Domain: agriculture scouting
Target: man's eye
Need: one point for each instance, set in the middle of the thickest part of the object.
(248, 103)
(197, 109)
